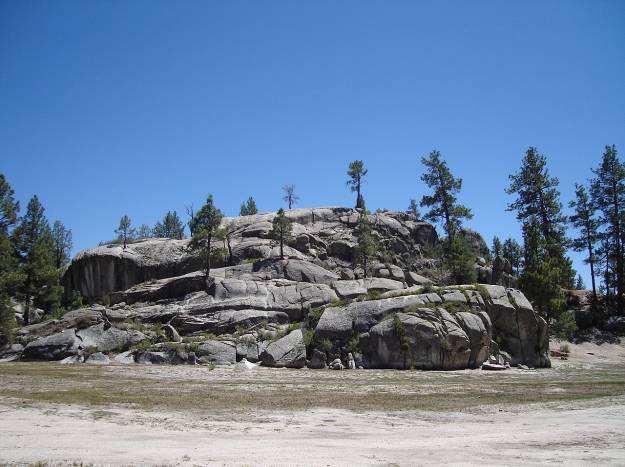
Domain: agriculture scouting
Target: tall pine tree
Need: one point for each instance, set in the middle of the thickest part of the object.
(443, 202)
(205, 226)
(585, 221)
(538, 207)
(9, 274)
(608, 193)
(35, 250)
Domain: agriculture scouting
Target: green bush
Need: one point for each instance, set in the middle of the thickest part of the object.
(564, 326)
(7, 323)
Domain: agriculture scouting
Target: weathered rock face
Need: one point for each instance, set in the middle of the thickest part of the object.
(445, 330)
(319, 235)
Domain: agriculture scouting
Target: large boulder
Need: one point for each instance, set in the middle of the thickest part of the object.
(217, 352)
(53, 347)
(425, 339)
(288, 351)
(521, 331)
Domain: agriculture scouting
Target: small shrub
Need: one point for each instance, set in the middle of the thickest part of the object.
(294, 326)
(427, 288)
(310, 338)
(143, 345)
(564, 326)
(326, 345)
(373, 295)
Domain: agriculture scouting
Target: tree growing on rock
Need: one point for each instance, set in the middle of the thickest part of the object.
(367, 244)
(290, 197)
(144, 231)
(282, 229)
(62, 244)
(249, 207)
(608, 194)
(170, 227)
(35, 250)
(205, 226)
(413, 209)
(579, 283)
(443, 203)
(357, 172)
(125, 232)
(585, 221)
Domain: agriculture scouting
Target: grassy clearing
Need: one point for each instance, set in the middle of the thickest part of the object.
(228, 390)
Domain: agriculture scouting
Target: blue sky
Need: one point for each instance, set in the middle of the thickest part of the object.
(140, 107)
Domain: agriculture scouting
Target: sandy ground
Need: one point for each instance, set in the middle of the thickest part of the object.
(584, 431)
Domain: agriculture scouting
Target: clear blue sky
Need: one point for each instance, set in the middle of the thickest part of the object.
(139, 107)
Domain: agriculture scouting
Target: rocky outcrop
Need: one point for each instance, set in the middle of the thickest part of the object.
(315, 307)
(319, 235)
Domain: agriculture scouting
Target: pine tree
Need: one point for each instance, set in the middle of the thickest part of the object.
(62, 244)
(538, 198)
(413, 209)
(584, 220)
(579, 283)
(144, 231)
(443, 203)
(289, 195)
(10, 277)
(205, 225)
(541, 276)
(170, 227)
(497, 249)
(282, 228)
(125, 232)
(513, 252)
(367, 244)
(249, 207)
(608, 194)
(357, 172)
(35, 250)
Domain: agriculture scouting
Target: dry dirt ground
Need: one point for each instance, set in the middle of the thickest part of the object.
(574, 413)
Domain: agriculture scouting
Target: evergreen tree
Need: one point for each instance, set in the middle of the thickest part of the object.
(170, 227)
(125, 231)
(513, 252)
(585, 222)
(144, 231)
(249, 207)
(289, 195)
(413, 209)
(10, 277)
(608, 193)
(579, 283)
(357, 172)
(206, 224)
(537, 197)
(497, 249)
(282, 228)
(367, 244)
(62, 244)
(35, 249)
(541, 276)
(443, 203)
(460, 260)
